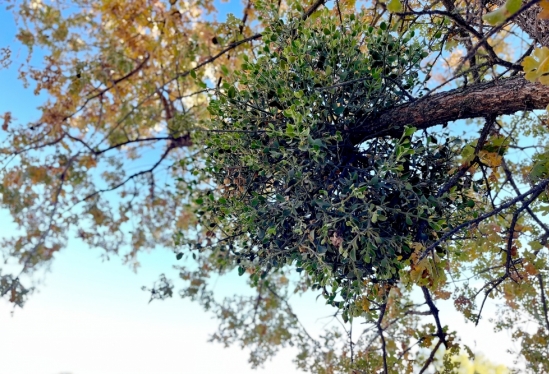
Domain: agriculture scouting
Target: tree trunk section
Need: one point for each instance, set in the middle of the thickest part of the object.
(505, 96)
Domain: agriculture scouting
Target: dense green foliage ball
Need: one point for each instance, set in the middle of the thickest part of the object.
(295, 186)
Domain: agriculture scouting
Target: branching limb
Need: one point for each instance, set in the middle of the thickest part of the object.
(456, 177)
(534, 192)
(133, 176)
(434, 311)
(382, 309)
(51, 216)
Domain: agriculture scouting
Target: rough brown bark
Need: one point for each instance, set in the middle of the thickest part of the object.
(494, 98)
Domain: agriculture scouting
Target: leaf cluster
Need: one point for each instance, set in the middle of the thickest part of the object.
(293, 186)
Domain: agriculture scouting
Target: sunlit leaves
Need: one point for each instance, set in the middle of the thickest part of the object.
(292, 180)
(536, 66)
(394, 6)
(114, 73)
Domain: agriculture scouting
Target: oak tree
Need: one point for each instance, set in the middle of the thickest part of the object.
(308, 138)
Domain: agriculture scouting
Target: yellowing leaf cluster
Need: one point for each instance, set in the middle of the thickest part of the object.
(536, 66)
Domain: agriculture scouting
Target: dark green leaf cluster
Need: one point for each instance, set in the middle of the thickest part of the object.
(294, 187)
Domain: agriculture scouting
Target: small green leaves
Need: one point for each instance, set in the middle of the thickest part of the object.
(179, 256)
(540, 169)
(295, 189)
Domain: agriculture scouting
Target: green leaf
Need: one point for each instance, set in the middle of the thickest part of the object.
(231, 93)
(321, 249)
(352, 254)
(409, 131)
(513, 6)
(496, 17)
(179, 256)
(339, 110)
(535, 245)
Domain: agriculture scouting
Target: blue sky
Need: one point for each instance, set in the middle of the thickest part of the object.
(91, 317)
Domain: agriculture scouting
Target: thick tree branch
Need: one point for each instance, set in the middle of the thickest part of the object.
(494, 98)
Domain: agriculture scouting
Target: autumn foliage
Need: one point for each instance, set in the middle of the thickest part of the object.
(310, 147)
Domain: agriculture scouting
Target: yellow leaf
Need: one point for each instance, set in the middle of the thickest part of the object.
(365, 303)
(491, 159)
(394, 6)
(536, 66)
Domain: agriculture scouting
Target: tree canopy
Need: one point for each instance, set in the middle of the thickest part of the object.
(384, 155)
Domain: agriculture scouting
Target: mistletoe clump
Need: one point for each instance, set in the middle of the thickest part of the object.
(295, 186)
